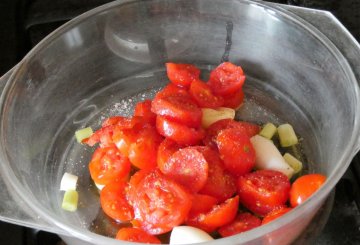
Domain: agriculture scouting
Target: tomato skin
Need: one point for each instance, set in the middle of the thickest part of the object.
(188, 167)
(132, 234)
(159, 203)
(181, 109)
(143, 110)
(203, 95)
(247, 128)
(226, 79)
(217, 216)
(304, 186)
(108, 164)
(143, 151)
(236, 151)
(263, 190)
(181, 134)
(220, 184)
(182, 74)
(234, 100)
(114, 203)
(243, 222)
(275, 214)
(166, 148)
(201, 204)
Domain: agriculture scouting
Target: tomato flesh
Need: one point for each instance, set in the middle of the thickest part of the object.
(263, 191)
(203, 95)
(243, 222)
(275, 214)
(131, 234)
(304, 186)
(182, 74)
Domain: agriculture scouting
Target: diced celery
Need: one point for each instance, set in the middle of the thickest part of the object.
(293, 162)
(268, 131)
(82, 134)
(70, 201)
(209, 116)
(287, 135)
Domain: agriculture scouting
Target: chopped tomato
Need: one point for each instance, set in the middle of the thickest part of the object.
(247, 128)
(171, 89)
(203, 95)
(263, 191)
(181, 134)
(123, 138)
(234, 100)
(243, 222)
(201, 204)
(226, 79)
(102, 136)
(143, 110)
(217, 216)
(275, 214)
(108, 164)
(143, 151)
(304, 187)
(159, 203)
(166, 148)
(236, 151)
(114, 203)
(182, 74)
(188, 167)
(179, 108)
(220, 184)
(122, 122)
(132, 234)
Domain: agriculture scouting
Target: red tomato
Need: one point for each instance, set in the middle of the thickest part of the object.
(131, 234)
(102, 136)
(263, 191)
(234, 100)
(236, 151)
(203, 95)
(179, 108)
(181, 134)
(201, 204)
(166, 148)
(247, 128)
(275, 214)
(123, 122)
(143, 151)
(108, 164)
(171, 89)
(243, 222)
(218, 215)
(159, 203)
(226, 79)
(114, 203)
(304, 187)
(220, 184)
(123, 138)
(187, 167)
(182, 74)
(143, 110)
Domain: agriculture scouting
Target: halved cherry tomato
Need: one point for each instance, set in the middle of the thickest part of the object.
(108, 164)
(123, 138)
(226, 79)
(243, 222)
(263, 191)
(172, 89)
(143, 151)
(218, 216)
(275, 214)
(182, 74)
(236, 151)
(179, 108)
(201, 204)
(102, 136)
(187, 167)
(250, 129)
(114, 203)
(304, 187)
(143, 110)
(132, 234)
(166, 148)
(234, 100)
(220, 184)
(181, 134)
(159, 203)
(203, 95)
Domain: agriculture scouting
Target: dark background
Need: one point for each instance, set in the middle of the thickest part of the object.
(23, 23)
